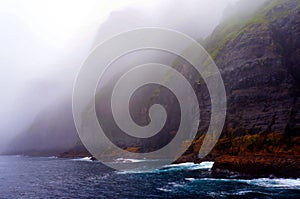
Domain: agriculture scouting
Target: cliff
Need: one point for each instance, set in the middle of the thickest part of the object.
(259, 59)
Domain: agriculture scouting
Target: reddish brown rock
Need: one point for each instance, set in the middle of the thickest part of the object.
(260, 165)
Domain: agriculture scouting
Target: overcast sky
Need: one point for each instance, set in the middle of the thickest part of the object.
(43, 43)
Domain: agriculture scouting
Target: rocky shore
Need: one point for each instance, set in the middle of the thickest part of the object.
(251, 156)
(260, 165)
(258, 155)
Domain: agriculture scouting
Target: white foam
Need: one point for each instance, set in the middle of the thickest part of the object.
(164, 189)
(238, 193)
(128, 160)
(191, 166)
(52, 157)
(185, 164)
(172, 167)
(263, 182)
(86, 159)
(174, 184)
(190, 179)
(137, 171)
(276, 183)
(241, 193)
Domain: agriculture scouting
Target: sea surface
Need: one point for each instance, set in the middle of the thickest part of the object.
(50, 177)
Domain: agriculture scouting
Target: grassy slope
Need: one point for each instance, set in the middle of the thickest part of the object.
(234, 26)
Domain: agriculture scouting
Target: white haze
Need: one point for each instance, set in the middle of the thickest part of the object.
(43, 44)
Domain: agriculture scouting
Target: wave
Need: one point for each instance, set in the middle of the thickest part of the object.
(85, 159)
(196, 184)
(191, 165)
(128, 160)
(189, 179)
(276, 183)
(173, 167)
(52, 157)
(164, 189)
(238, 193)
(261, 182)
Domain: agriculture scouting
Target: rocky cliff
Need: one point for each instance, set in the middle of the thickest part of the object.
(258, 60)
(259, 57)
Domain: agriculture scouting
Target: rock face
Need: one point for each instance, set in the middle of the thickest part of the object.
(259, 62)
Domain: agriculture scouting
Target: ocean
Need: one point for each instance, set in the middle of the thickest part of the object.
(51, 177)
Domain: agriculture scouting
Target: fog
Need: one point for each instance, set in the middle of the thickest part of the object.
(43, 44)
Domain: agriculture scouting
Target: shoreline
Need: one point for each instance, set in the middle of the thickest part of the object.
(242, 166)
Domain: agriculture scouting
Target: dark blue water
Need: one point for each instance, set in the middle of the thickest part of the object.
(31, 177)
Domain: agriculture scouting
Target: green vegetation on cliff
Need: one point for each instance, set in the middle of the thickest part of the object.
(232, 27)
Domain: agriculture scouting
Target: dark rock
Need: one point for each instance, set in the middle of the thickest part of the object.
(93, 158)
(260, 165)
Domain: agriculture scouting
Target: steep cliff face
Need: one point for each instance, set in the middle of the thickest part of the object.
(259, 62)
